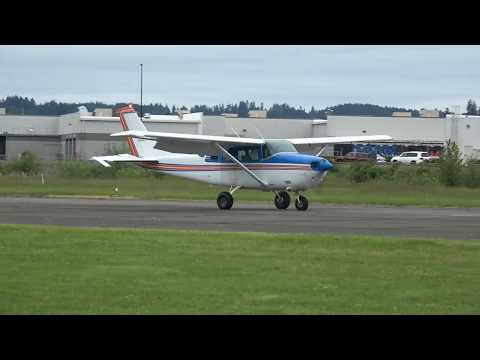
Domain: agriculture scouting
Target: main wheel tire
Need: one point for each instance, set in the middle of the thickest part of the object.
(282, 200)
(225, 201)
(301, 203)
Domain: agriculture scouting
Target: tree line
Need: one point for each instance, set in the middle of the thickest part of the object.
(17, 105)
(472, 108)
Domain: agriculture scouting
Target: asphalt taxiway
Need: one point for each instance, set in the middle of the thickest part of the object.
(420, 222)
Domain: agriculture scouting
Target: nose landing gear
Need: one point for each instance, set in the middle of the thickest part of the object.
(225, 199)
(301, 203)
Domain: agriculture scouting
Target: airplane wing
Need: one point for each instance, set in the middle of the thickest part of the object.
(309, 144)
(338, 139)
(189, 143)
(104, 160)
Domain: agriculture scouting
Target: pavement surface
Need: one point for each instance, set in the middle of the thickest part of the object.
(420, 222)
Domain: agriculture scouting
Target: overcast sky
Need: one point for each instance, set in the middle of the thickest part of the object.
(407, 76)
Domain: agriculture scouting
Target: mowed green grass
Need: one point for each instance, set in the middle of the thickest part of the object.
(60, 270)
(336, 189)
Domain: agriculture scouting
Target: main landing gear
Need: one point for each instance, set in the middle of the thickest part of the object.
(301, 203)
(282, 201)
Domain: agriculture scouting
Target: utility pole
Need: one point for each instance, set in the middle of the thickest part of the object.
(141, 91)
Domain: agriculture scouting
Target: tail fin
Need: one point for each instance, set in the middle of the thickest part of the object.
(138, 147)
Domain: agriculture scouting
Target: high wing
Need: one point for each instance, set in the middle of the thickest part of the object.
(189, 143)
(309, 144)
(206, 144)
(338, 139)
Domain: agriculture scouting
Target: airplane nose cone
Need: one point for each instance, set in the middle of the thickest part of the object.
(326, 165)
(322, 165)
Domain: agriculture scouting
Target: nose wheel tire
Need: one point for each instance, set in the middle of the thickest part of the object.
(282, 200)
(225, 201)
(301, 203)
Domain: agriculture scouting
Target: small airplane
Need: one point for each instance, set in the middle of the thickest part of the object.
(238, 162)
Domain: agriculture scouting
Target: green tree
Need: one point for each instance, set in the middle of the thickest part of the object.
(243, 109)
(471, 107)
(450, 165)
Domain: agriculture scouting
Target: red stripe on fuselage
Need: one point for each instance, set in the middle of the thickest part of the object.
(186, 167)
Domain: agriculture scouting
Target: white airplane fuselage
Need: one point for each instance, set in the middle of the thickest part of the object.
(282, 171)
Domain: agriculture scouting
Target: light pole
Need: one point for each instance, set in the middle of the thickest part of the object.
(141, 91)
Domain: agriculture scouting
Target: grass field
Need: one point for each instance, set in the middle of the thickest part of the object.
(336, 189)
(57, 270)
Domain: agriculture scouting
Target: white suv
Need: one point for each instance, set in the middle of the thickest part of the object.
(412, 157)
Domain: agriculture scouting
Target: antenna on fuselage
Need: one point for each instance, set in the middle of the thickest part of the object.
(321, 151)
(258, 132)
(231, 128)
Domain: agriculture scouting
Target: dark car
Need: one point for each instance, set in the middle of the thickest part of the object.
(356, 156)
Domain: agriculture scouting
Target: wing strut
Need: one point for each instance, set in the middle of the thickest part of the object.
(247, 170)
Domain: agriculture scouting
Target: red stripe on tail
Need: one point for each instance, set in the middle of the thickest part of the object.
(131, 144)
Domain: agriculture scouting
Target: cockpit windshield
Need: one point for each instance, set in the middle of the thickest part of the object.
(275, 146)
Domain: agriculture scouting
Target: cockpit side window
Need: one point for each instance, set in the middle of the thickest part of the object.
(266, 151)
(276, 146)
(245, 153)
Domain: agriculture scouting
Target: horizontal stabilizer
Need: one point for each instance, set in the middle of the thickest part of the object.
(104, 160)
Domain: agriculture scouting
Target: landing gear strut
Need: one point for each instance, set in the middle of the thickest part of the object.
(282, 200)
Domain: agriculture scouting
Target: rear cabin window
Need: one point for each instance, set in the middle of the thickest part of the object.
(424, 154)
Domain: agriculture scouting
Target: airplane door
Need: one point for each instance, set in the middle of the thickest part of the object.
(231, 172)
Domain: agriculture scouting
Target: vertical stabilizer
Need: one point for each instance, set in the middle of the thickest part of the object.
(138, 147)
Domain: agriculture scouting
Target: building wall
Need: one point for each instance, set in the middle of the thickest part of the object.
(269, 128)
(45, 147)
(48, 136)
(468, 136)
(425, 129)
(29, 125)
(69, 124)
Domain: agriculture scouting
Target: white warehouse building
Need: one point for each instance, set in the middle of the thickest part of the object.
(82, 135)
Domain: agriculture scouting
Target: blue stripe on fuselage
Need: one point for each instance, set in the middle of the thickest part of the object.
(317, 163)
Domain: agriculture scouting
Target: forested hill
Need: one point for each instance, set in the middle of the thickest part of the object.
(17, 105)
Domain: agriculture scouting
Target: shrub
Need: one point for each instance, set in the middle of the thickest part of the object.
(417, 174)
(450, 165)
(414, 174)
(90, 169)
(27, 164)
(470, 175)
(361, 172)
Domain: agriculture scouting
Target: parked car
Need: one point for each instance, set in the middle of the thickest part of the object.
(356, 156)
(381, 159)
(412, 157)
